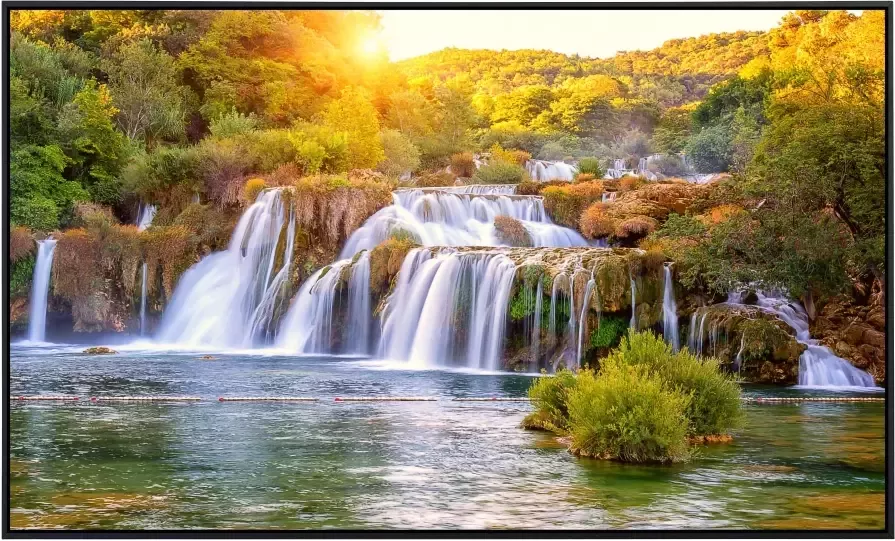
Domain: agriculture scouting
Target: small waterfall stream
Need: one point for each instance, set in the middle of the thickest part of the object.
(818, 366)
(543, 171)
(40, 285)
(144, 220)
(669, 312)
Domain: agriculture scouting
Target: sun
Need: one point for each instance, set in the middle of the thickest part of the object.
(371, 47)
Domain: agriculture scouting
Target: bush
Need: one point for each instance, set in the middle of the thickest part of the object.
(21, 272)
(251, 189)
(566, 203)
(714, 407)
(709, 150)
(550, 395)
(401, 157)
(636, 226)
(591, 166)
(463, 164)
(510, 231)
(627, 415)
(499, 172)
(629, 183)
(21, 244)
(436, 180)
(594, 224)
(386, 260)
(584, 177)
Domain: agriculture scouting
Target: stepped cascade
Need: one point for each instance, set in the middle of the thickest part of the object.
(542, 171)
(444, 217)
(37, 320)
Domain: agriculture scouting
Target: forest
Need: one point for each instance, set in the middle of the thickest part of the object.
(196, 112)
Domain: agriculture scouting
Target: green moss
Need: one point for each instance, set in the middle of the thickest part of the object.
(609, 333)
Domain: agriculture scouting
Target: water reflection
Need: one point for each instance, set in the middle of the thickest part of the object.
(396, 465)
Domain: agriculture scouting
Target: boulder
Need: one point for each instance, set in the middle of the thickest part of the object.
(100, 350)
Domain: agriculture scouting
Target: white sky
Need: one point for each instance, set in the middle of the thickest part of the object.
(588, 33)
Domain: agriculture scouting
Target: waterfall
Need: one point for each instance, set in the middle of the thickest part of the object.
(40, 285)
(536, 327)
(633, 324)
(543, 171)
(583, 320)
(451, 311)
(317, 322)
(669, 312)
(472, 189)
(445, 218)
(144, 220)
(229, 297)
(818, 366)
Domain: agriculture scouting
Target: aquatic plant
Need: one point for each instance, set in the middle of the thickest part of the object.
(625, 414)
(714, 406)
(550, 397)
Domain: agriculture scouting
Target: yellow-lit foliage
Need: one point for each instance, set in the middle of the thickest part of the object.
(566, 203)
(584, 177)
(463, 164)
(595, 224)
(122, 253)
(636, 226)
(251, 189)
(435, 180)
(628, 183)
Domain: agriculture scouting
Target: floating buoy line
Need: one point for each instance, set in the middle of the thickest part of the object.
(98, 399)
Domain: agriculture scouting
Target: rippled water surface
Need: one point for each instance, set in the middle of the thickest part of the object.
(439, 464)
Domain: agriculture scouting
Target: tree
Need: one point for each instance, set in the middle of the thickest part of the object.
(354, 115)
(39, 193)
(143, 85)
(400, 154)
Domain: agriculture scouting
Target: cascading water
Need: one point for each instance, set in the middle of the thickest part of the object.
(40, 285)
(473, 189)
(450, 310)
(228, 299)
(669, 312)
(585, 304)
(144, 220)
(536, 325)
(818, 366)
(633, 323)
(543, 171)
(442, 218)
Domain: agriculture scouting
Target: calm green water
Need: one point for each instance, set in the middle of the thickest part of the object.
(395, 465)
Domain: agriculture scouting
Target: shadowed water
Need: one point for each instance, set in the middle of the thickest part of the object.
(436, 464)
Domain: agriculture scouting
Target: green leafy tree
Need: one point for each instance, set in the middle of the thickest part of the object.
(354, 115)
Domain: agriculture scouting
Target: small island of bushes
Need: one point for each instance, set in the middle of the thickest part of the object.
(644, 403)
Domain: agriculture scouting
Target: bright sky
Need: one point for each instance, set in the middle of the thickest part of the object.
(588, 33)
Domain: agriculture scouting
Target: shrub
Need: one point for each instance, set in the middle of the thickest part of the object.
(21, 273)
(211, 226)
(511, 231)
(714, 407)
(334, 206)
(636, 226)
(21, 244)
(463, 164)
(627, 415)
(609, 332)
(549, 395)
(679, 226)
(251, 189)
(591, 166)
(629, 183)
(386, 259)
(435, 180)
(533, 187)
(401, 156)
(594, 224)
(566, 203)
(500, 172)
(232, 124)
(584, 177)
